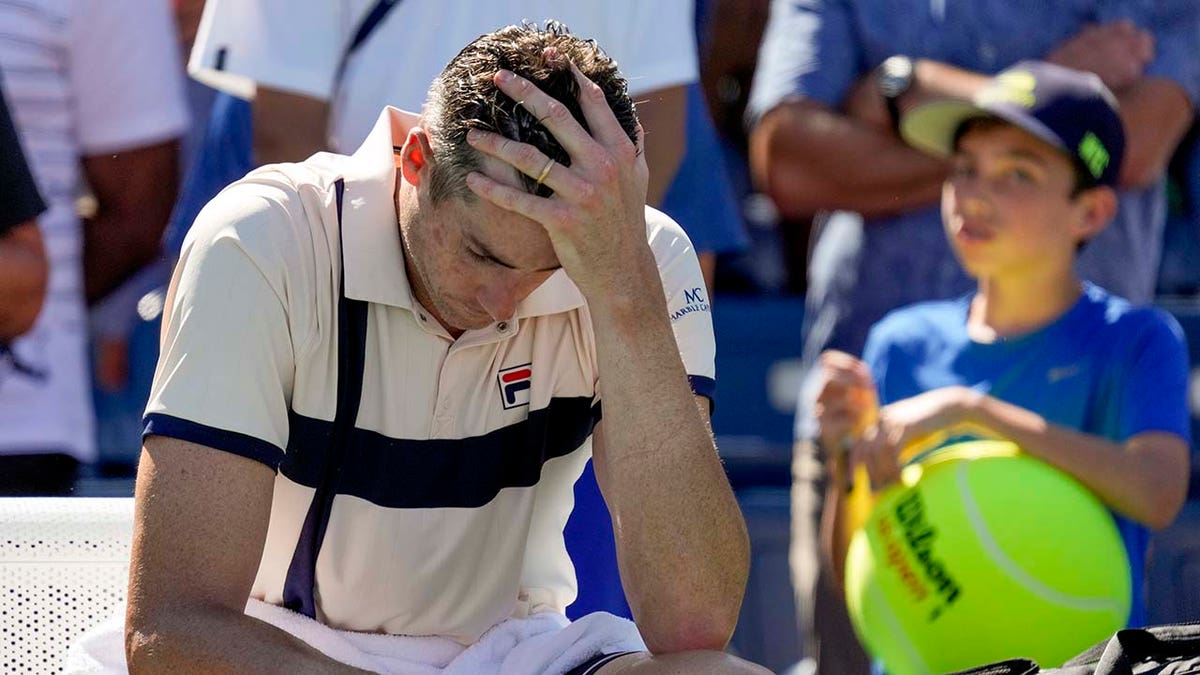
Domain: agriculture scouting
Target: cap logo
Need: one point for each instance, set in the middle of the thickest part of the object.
(1015, 86)
(1094, 154)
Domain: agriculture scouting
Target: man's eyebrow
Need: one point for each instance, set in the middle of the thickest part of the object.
(487, 253)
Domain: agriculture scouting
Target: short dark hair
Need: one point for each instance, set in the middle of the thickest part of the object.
(465, 97)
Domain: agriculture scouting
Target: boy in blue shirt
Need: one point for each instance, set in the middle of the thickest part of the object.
(1079, 378)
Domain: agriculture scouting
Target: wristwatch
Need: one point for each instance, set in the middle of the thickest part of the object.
(893, 77)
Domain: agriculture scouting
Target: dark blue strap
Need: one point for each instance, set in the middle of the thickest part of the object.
(369, 23)
(352, 339)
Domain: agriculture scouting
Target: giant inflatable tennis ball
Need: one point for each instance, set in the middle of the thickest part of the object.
(982, 554)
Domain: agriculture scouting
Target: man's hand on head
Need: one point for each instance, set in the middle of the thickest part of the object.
(596, 216)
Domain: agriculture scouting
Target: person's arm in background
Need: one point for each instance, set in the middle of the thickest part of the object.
(23, 275)
(24, 269)
(662, 113)
(288, 126)
(128, 91)
(1158, 105)
(805, 153)
(1154, 106)
(820, 152)
(134, 191)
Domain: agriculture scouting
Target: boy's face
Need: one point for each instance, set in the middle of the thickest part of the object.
(1008, 207)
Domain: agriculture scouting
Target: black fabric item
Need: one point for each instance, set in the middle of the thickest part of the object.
(19, 197)
(1173, 649)
(1158, 650)
(594, 664)
(41, 475)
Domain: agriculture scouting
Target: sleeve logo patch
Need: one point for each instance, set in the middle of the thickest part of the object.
(514, 385)
(694, 297)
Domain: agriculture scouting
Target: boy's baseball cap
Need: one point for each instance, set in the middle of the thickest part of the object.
(1069, 109)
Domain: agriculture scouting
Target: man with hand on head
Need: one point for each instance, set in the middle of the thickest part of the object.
(1081, 379)
(381, 375)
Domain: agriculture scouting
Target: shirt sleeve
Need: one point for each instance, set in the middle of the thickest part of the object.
(1155, 394)
(19, 197)
(687, 301)
(126, 79)
(225, 372)
(1176, 28)
(810, 50)
(282, 44)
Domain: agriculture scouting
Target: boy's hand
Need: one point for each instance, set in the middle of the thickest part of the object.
(912, 421)
(846, 403)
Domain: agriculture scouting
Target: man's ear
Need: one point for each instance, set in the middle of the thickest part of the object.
(416, 156)
(1099, 206)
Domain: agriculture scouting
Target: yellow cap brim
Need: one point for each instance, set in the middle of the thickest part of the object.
(931, 127)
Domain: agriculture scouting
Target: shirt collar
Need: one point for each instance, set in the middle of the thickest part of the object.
(371, 246)
(372, 249)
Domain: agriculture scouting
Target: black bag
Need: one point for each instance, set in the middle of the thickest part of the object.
(1159, 650)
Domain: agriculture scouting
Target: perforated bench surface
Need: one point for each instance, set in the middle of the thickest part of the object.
(64, 567)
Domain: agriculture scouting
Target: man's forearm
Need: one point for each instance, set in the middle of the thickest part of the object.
(1156, 113)
(23, 275)
(220, 640)
(682, 545)
(809, 158)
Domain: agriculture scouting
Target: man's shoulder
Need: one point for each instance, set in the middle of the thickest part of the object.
(276, 212)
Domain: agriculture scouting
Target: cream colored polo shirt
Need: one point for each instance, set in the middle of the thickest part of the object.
(458, 477)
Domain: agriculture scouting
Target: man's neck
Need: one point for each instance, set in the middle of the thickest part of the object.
(1011, 307)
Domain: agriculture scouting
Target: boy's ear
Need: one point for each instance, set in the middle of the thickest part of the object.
(1099, 206)
(416, 156)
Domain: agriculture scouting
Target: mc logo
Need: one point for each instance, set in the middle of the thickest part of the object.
(693, 295)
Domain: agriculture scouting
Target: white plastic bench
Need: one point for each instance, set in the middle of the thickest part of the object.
(64, 567)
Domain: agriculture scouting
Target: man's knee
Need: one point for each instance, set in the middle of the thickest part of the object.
(681, 663)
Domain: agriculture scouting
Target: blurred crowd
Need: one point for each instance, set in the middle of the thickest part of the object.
(771, 132)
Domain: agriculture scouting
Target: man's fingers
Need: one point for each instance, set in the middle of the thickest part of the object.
(527, 159)
(552, 114)
(599, 115)
(513, 199)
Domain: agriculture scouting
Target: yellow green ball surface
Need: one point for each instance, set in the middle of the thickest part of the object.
(983, 554)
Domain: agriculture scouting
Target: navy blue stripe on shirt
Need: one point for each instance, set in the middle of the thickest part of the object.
(706, 387)
(158, 424)
(438, 473)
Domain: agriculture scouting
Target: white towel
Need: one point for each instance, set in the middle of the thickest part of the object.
(541, 643)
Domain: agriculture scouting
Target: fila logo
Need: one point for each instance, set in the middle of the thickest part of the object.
(514, 385)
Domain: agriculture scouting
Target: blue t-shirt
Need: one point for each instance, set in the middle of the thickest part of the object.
(1105, 367)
